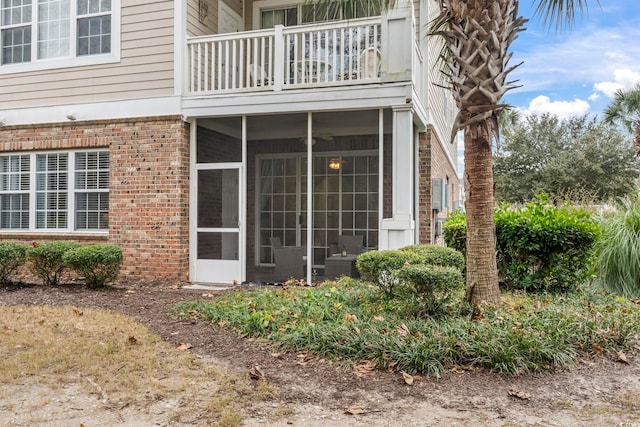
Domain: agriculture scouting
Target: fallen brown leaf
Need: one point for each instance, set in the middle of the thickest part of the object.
(364, 367)
(378, 318)
(597, 348)
(355, 410)
(255, 373)
(184, 346)
(622, 358)
(519, 394)
(408, 379)
(350, 317)
(403, 330)
(132, 340)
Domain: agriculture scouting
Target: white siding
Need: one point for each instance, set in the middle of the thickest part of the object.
(145, 69)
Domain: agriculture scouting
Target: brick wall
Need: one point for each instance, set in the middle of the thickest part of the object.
(149, 188)
(433, 163)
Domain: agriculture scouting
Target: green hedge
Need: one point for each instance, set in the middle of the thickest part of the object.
(12, 255)
(99, 264)
(46, 260)
(539, 247)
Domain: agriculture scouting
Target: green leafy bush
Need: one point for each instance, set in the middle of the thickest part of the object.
(99, 264)
(378, 266)
(11, 256)
(618, 254)
(438, 255)
(539, 247)
(434, 284)
(46, 260)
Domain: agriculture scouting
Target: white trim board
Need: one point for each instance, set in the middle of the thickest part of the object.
(93, 111)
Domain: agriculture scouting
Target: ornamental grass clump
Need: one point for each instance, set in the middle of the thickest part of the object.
(618, 254)
(46, 260)
(12, 255)
(98, 264)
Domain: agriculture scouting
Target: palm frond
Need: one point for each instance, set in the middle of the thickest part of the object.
(561, 12)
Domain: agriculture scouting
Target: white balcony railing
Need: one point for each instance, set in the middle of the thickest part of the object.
(336, 53)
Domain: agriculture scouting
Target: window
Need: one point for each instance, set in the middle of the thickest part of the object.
(287, 14)
(14, 191)
(61, 191)
(32, 31)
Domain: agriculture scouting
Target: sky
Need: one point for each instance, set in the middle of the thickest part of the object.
(576, 70)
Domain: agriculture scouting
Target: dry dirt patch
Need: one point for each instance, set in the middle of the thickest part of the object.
(66, 364)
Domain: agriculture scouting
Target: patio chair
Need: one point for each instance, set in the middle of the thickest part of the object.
(370, 61)
(289, 263)
(353, 244)
(276, 243)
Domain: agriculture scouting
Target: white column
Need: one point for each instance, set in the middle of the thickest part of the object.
(397, 231)
(243, 205)
(309, 197)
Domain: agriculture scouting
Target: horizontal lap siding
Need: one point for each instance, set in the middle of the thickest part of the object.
(210, 25)
(144, 71)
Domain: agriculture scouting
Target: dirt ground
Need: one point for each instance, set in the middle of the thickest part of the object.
(313, 392)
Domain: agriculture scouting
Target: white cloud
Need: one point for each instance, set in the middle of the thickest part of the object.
(563, 109)
(624, 79)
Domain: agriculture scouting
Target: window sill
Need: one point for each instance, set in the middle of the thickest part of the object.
(53, 235)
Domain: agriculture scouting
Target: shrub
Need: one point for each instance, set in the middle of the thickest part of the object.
(618, 253)
(435, 284)
(11, 256)
(539, 247)
(438, 255)
(378, 266)
(99, 264)
(46, 260)
(455, 231)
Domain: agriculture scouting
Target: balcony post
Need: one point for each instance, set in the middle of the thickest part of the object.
(398, 39)
(278, 58)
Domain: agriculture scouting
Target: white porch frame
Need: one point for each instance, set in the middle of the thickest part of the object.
(393, 232)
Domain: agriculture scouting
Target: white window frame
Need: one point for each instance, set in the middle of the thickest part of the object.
(260, 5)
(72, 60)
(71, 193)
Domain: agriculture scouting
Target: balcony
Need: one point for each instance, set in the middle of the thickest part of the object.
(333, 54)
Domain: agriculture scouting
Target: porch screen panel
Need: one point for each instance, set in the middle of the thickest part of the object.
(277, 204)
(218, 208)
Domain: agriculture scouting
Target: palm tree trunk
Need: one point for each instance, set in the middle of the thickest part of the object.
(482, 272)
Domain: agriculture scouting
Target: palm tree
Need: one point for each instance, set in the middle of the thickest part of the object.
(477, 35)
(625, 110)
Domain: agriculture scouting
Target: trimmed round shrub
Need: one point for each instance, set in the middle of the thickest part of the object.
(99, 264)
(12, 255)
(46, 260)
(438, 255)
(435, 284)
(378, 266)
